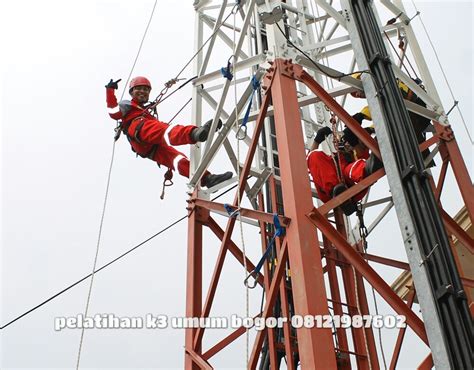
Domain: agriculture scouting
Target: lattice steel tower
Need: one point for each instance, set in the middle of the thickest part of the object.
(286, 72)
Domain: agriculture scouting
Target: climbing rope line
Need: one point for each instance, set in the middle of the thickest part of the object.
(106, 265)
(79, 352)
(139, 48)
(97, 249)
(247, 297)
(444, 74)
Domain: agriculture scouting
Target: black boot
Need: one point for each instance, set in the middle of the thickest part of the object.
(372, 164)
(200, 134)
(212, 180)
(349, 206)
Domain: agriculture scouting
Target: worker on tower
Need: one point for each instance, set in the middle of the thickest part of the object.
(153, 139)
(333, 174)
(420, 123)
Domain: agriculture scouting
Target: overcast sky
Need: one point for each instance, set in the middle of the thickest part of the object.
(56, 148)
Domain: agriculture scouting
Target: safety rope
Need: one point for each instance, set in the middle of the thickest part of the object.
(107, 193)
(444, 74)
(106, 265)
(401, 46)
(337, 77)
(239, 215)
(162, 95)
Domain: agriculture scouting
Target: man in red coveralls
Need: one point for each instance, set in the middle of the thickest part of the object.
(153, 139)
(355, 163)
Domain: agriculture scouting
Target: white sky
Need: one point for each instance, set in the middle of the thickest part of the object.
(56, 147)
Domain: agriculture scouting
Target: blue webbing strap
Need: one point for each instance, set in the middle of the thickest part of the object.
(279, 230)
(242, 133)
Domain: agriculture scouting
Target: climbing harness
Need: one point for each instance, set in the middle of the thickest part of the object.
(242, 131)
(167, 181)
(279, 231)
(150, 153)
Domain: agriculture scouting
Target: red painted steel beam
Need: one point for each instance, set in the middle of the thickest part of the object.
(458, 165)
(272, 341)
(215, 277)
(231, 222)
(427, 143)
(336, 299)
(369, 274)
(467, 282)
(442, 177)
(288, 345)
(316, 347)
(225, 342)
(233, 248)
(198, 360)
(363, 344)
(453, 228)
(193, 283)
(353, 190)
(244, 212)
(387, 261)
(427, 363)
(401, 335)
(270, 301)
(338, 110)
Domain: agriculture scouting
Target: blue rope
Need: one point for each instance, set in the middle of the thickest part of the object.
(279, 231)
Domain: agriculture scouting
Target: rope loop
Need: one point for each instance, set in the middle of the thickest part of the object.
(241, 133)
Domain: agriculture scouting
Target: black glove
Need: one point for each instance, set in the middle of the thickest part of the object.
(112, 84)
(370, 130)
(349, 137)
(359, 117)
(322, 134)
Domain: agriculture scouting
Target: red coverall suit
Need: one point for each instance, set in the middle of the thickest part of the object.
(149, 137)
(324, 173)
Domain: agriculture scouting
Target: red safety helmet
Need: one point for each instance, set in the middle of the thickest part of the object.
(138, 81)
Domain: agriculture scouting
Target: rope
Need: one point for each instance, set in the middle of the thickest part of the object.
(107, 193)
(444, 74)
(106, 265)
(139, 48)
(338, 77)
(161, 97)
(247, 298)
(97, 250)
